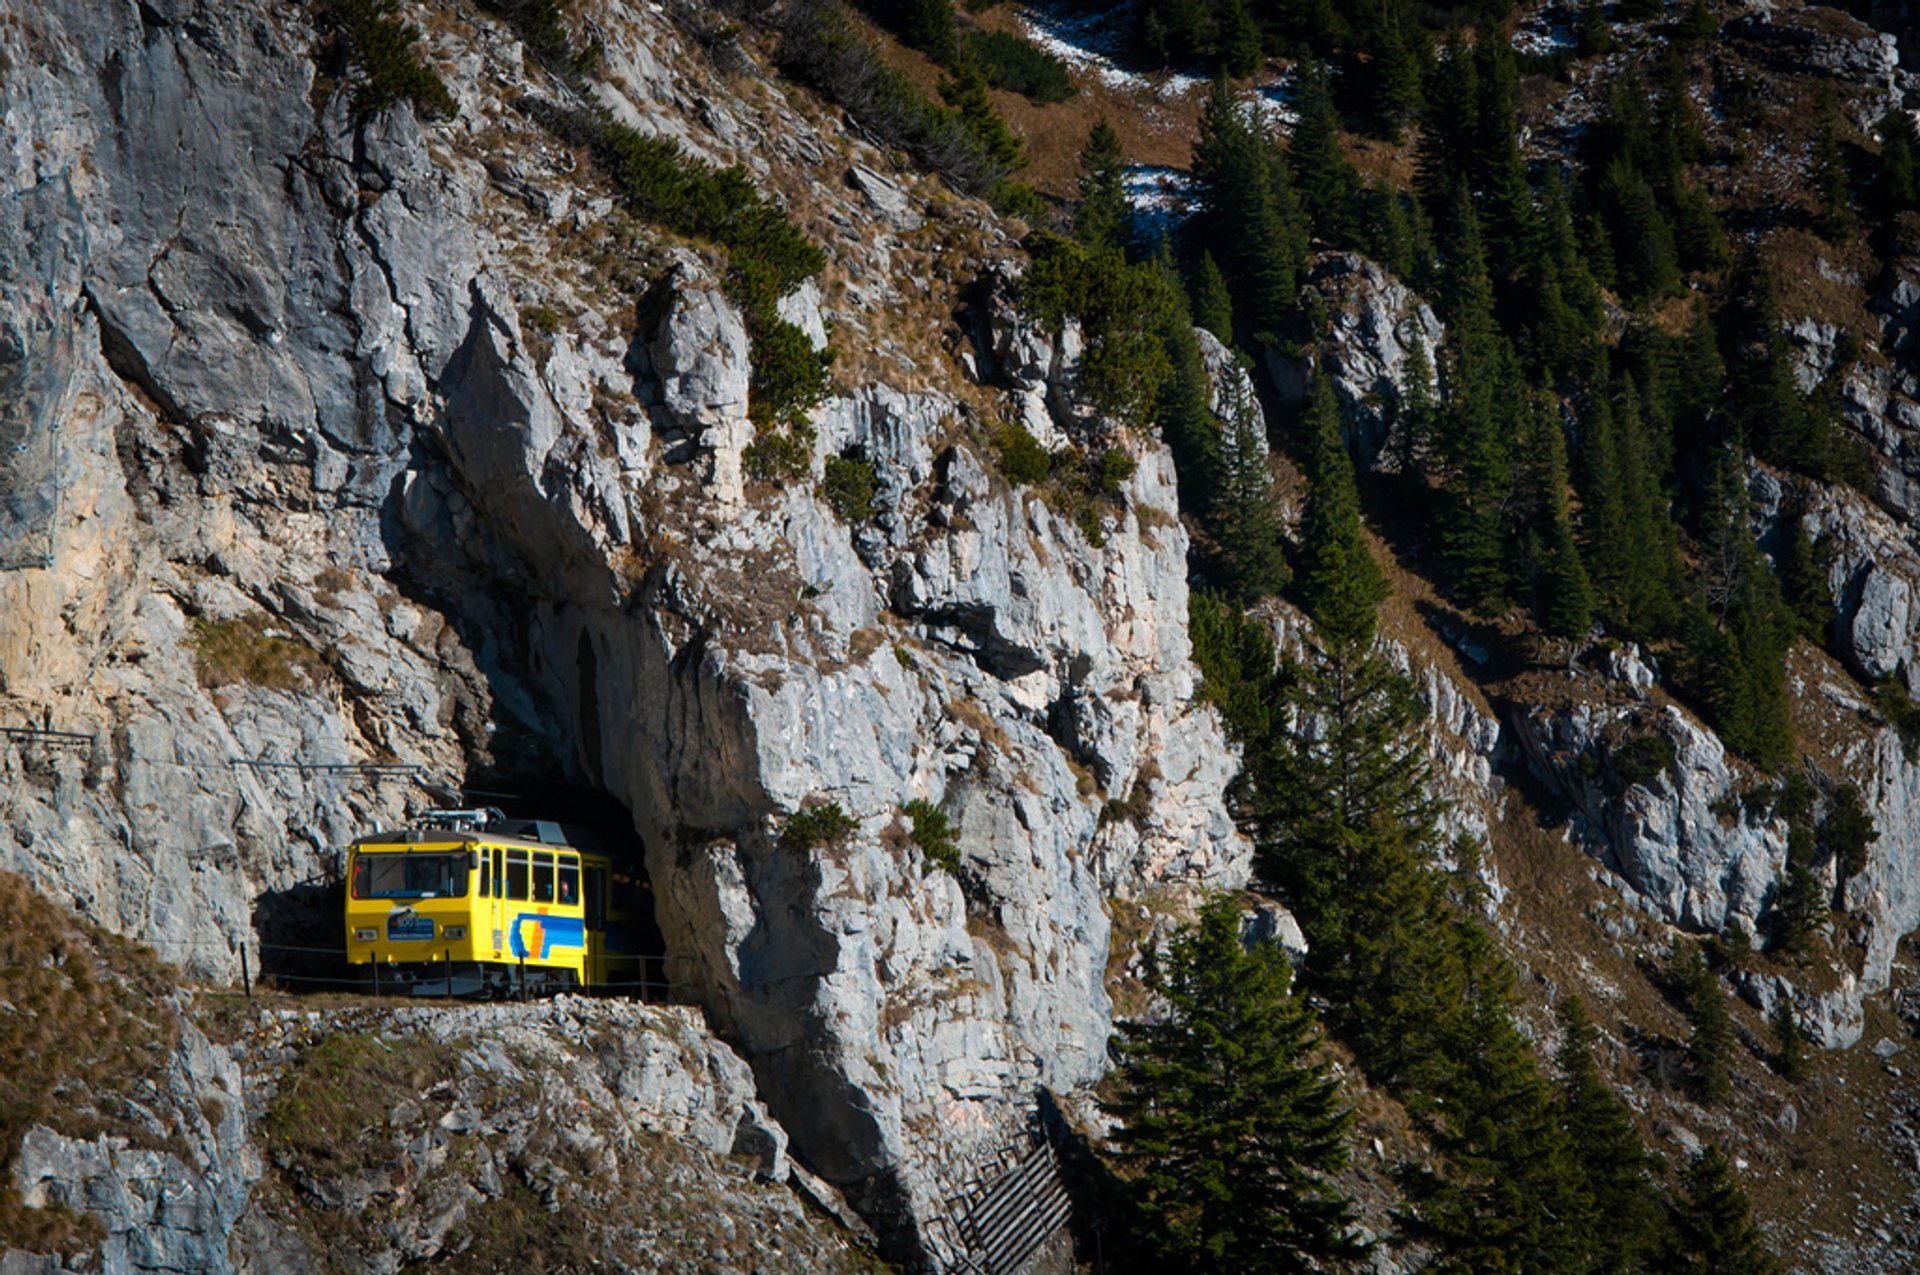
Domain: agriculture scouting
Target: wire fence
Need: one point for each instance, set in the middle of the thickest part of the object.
(342, 976)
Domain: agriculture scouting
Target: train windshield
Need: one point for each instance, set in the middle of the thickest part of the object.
(410, 876)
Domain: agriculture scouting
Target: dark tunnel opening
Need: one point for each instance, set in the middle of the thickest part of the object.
(300, 935)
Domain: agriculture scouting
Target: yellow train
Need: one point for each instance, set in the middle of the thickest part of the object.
(464, 903)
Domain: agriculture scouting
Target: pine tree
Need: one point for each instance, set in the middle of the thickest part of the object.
(1832, 190)
(1327, 183)
(1443, 158)
(1713, 1230)
(1896, 184)
(1644, 262)
(965, 90)
(1396, 97)
(1104, 218)
(1804, 574)
(1239, 40)
(1710, 1047)
(1212, 307)
(1340, 582)
(1228, 1129)
(1592, 31)
(1789, 1041)
(1511, 1196)
(1847, 832)
(1607, 1149)
(1240, 516)
(1800, 905)
(1244, 198)
(1563, 594)
(1508, 220)
(1410, 431)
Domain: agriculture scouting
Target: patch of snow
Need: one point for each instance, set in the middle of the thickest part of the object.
(1277, 103)
(1545, 33)
(1162, 198)
(1092, 41)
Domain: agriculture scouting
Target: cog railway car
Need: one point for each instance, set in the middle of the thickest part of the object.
(465, 903)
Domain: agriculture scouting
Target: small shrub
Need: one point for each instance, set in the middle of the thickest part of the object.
(1643, 759)
(849, 488)
(1111, 470)
(1011, 63)
(933, 832)
(1847, 831)
(1092, 525)
(379, 44)
(539, 26)
(777, 455)
(789, 376)
(543, 319)
(1897, 706)
(825, 824)
(1022, 459)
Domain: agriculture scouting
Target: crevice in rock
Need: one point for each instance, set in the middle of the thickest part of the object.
(124, 357)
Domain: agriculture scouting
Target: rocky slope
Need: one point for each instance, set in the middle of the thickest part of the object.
(390, 443)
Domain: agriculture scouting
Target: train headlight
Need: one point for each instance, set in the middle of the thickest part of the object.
(366, 936)
(454, 932)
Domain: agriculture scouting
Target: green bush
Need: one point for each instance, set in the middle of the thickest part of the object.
(380, 46)
(1011, 63)
(849, 488)
(1119, 306)
(1111, 469)
(821, 45)
(825, 824)
(539, 26)
(1022, 459)
(934, 833)
(1643, 759)
(779, 455)
(789, 376)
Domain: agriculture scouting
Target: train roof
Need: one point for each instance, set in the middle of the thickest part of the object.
(531, 833)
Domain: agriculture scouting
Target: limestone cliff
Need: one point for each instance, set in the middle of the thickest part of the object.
(386, 442)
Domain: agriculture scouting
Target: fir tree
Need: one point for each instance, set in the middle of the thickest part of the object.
(965, 90)
(1607, 1150)
(1512, 1196)
(1710, 1046)
(1804, 574)
(1410, 431)
(1104, 218)
(1340, 582)
(1239, 40)
(1896, 183)
(1713, 1230)
(1644, 263)
(1323, 176)
(1563, 594)
(1212, 307)
(1789, 1042)
(1831, 186)
(1443, 158)
(1228, 1129)
(1245, 199)
(1498, 174)
(1799, 904)
(1396, 97)
(1241, 515)
(1847, 832)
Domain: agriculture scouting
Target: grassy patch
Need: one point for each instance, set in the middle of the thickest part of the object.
(246, 651)
(321, 1114)
(85, 1020)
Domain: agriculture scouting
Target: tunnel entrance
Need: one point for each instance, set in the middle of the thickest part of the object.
(303, 944)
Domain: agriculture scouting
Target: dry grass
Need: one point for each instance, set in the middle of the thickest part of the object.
(320, 1115)
(249, 651)
(85, 1021)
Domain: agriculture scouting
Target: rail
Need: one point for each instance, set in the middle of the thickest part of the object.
(48, 736)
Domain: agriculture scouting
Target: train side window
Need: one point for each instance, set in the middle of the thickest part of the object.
(499, 877)
(596, 899)
(480, 859)
(569, 882)
(517, 874)
(542, 877)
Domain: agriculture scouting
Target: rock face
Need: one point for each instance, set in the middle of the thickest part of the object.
(338, 489)
(1374, 321)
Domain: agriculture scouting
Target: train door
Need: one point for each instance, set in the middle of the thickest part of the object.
(497, 901)
(596, 920)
